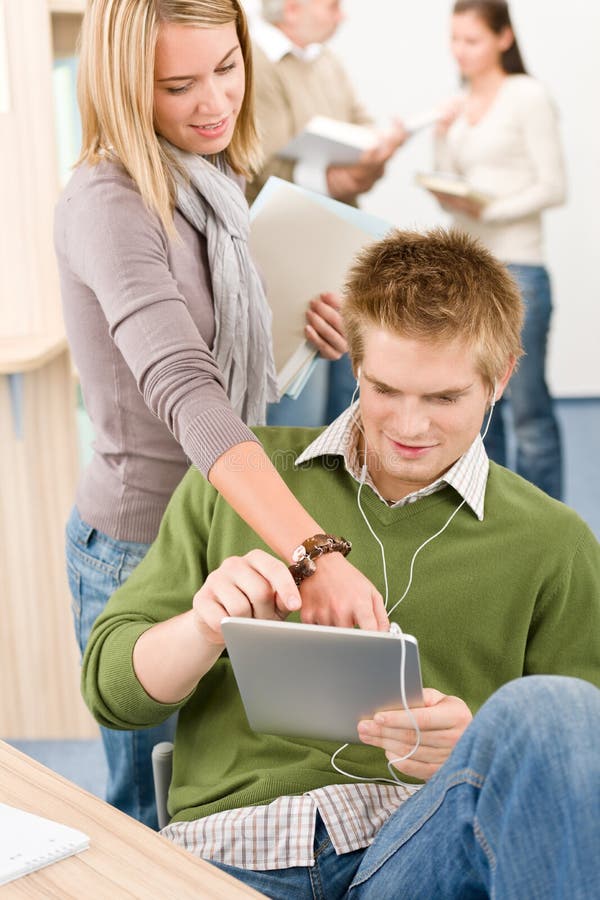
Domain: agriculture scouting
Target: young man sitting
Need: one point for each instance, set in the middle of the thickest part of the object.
(496, 580)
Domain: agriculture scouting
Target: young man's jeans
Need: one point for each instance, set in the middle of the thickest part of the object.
(97, 565)
(514, 813)
(538, 446)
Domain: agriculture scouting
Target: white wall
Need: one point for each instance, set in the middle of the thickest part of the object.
(397, 54)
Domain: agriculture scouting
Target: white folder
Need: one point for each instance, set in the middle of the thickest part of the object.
(303, 244)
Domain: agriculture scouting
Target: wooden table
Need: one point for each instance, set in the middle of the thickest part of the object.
(125, 859)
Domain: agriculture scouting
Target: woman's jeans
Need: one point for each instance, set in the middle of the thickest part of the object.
(538, 446)
(514, 814)
(97, 565)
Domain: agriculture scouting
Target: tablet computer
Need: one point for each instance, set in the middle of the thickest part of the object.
(316, 681)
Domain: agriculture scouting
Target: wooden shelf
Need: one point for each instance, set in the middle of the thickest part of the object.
(38, 433)
(65, 24)
(29, 352)
(38, 454)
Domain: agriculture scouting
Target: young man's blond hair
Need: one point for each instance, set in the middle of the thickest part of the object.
(436, 286)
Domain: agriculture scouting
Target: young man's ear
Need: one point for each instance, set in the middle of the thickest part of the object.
(501, 383)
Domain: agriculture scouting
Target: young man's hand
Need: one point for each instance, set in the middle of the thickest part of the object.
(255, 586)
(442, 721)
(324, 326)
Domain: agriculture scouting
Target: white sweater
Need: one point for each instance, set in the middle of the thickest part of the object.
(513, 154)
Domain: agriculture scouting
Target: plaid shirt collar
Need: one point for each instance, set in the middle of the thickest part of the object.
(468, 475)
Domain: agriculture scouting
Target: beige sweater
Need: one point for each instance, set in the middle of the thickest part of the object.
(514, 154)
(288, 94)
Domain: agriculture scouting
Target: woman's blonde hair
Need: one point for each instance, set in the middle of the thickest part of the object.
(116, 90)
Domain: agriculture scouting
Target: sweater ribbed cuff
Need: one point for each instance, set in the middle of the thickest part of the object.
(130, 705)
(212, 434)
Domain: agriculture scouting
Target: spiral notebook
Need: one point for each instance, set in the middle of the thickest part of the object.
(29, 842)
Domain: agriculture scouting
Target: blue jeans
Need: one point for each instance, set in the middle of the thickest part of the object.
(340, 389)
(326, 394)
(97, 565)
(514, 813)
(307, 410)
(537, 436)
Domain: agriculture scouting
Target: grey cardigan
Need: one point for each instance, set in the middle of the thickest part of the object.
(139, 317)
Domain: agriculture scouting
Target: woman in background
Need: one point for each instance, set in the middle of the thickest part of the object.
(167, 319)
(502, 138)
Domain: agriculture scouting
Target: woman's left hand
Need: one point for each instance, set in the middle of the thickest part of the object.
(442, 721)
(324, 326)
(463, 205)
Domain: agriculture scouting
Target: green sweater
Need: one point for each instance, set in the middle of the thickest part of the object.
(513, 595)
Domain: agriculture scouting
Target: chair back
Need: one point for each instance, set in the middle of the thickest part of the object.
(162, 768)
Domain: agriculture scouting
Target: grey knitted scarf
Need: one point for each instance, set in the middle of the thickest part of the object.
(215, 205)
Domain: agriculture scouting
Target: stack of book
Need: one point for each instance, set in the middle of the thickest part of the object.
(328, 142)
(325, 142)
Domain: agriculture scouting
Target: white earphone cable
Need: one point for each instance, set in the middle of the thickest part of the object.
(395, 627)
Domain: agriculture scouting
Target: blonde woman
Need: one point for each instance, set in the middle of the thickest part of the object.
(167, 319)
(504, 140)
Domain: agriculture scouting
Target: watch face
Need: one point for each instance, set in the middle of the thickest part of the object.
(298, 554)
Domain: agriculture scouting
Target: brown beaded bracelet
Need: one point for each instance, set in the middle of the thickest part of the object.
(303, 565)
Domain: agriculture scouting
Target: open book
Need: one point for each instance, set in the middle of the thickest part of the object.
(30, 842)
(303, 244)
(454, 185)
(325, 142)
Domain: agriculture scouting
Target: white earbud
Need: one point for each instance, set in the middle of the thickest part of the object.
(491, 409)
(493, 400)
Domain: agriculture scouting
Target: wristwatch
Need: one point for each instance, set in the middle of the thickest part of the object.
(303, 557)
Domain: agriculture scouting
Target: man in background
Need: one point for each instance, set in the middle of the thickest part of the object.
(297, 77)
